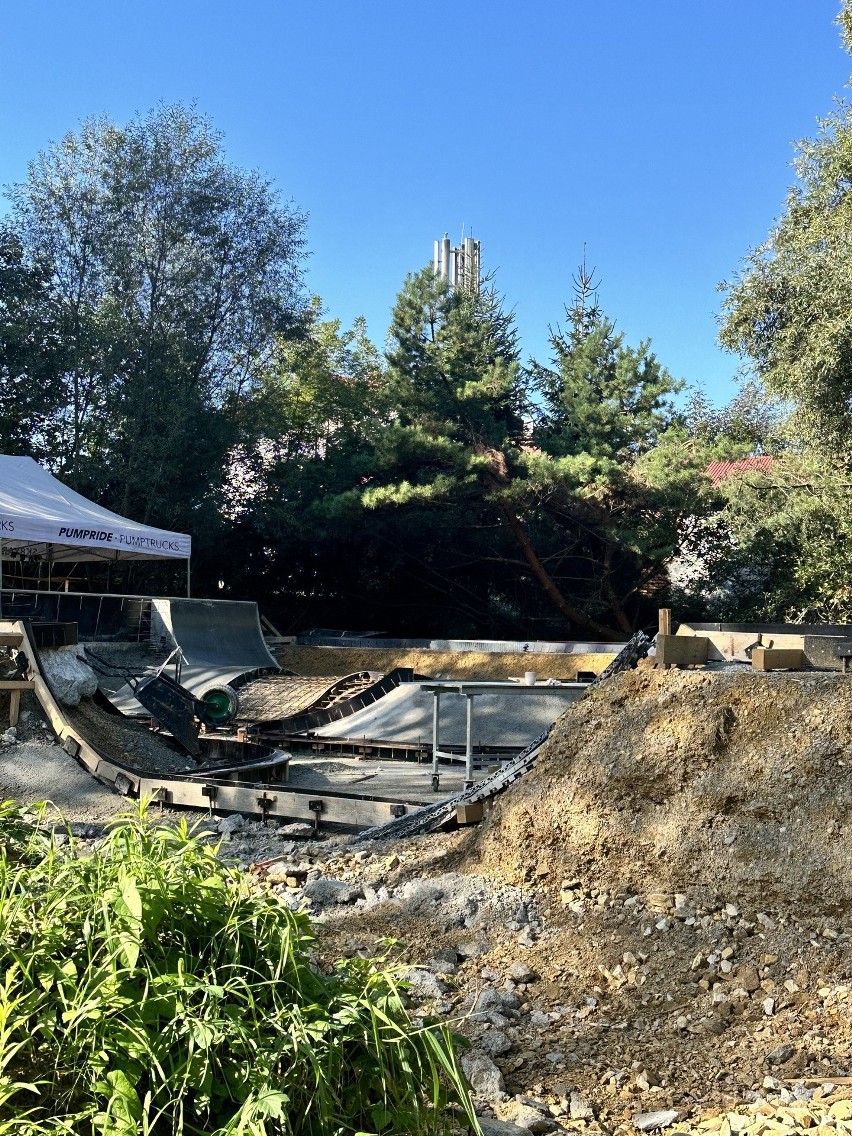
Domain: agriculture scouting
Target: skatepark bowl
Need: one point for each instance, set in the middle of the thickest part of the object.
(456, 732)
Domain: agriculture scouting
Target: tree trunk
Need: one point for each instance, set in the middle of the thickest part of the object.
(571, 613)
(615, 605)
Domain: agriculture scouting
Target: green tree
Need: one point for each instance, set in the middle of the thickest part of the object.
(600, 396)
(173, 275)
(772, 546)
(608, 520)
(302, 441)
(32, 352)
(751, 423)
(558, 526)
(788, 310)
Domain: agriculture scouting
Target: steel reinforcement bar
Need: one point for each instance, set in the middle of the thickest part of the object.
(309, 721)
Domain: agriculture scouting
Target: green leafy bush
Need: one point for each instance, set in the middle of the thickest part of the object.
(144, 989)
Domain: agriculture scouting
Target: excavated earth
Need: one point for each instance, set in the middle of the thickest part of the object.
(655, 920)
(650, 931)
(438, 664)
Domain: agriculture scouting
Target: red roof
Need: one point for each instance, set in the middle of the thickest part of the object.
(718, 471)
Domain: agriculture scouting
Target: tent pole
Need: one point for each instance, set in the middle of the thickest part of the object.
(187, 578)
(1, 577)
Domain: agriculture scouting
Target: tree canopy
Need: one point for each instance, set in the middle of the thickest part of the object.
(158, 353)
(788, 311)
(167, 276)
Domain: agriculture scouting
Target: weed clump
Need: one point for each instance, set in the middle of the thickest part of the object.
(146, 989)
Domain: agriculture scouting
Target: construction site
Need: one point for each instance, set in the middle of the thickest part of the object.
(620, 870)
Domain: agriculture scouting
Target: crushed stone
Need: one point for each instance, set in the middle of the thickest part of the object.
(678, 866)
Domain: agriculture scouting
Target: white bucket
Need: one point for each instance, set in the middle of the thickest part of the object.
(529, 678)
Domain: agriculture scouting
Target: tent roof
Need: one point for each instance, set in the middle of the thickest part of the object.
(41, 517)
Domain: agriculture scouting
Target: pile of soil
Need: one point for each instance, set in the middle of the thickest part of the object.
(438, 664)
(726, 785)
(682, 890)
(657, 919)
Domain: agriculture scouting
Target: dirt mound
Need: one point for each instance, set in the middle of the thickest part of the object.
(726, 786)
(437, 664)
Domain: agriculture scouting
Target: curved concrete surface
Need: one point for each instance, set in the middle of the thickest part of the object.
(220, 640)
(405, 715)
(216, 633)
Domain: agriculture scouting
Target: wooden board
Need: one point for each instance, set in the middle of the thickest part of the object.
(16, 685)
(777, 658)
(682, 650)
(471, 813)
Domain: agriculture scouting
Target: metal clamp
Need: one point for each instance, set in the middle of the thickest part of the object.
(265, 803)
(316, 808)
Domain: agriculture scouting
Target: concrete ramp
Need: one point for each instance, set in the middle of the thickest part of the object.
(219, 639)
(216, 633)
(405, 715)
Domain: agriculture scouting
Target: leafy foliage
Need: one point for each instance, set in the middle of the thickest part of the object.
(788, 309)
(146, 990)
(775, 547)
(168, 276)
(32, 352)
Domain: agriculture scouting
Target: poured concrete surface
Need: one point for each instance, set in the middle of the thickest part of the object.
(223, 633)
(511, 719)
(398, 780)
(219, 640)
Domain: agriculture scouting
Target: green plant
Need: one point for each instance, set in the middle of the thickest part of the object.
(145, 989)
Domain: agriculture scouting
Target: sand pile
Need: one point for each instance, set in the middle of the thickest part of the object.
(437, 664)
(723, 785)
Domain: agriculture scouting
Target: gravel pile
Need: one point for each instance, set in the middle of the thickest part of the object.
(127, 740)
(679, 852)
(651, 931)
(571, 1029)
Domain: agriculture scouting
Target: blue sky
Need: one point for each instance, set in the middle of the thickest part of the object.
(656, 133)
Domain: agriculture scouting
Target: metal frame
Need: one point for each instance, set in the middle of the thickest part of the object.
(471, 690)
(200, 790)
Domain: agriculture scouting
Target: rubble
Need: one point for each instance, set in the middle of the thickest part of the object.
(670, 972)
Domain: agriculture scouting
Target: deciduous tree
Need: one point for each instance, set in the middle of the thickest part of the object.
(789, 310)
(172, 273)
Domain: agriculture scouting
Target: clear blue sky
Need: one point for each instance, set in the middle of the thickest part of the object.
(657, 133)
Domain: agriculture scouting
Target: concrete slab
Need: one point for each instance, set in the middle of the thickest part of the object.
(405, 715)
(399, 780)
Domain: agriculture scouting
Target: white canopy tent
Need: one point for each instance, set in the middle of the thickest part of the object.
(42, 519)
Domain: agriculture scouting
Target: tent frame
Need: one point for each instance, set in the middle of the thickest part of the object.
(50, 591)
